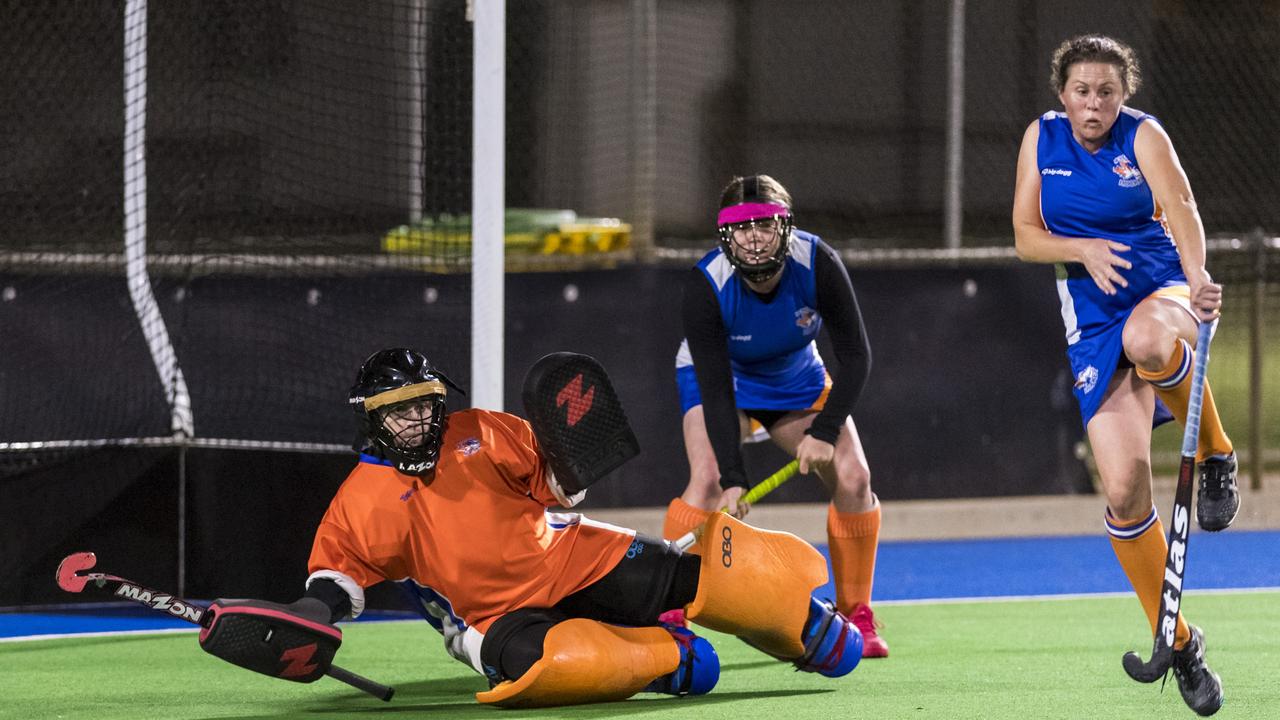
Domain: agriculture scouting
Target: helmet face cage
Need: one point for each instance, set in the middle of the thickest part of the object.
(749, 245)
(408, 432)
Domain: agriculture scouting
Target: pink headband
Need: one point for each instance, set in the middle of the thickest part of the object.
(750, 211)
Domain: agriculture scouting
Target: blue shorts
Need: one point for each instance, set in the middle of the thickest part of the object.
(1096, 357)
(798, 394)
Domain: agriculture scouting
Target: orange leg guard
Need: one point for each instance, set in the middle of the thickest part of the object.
(586, 661)
(756, 584)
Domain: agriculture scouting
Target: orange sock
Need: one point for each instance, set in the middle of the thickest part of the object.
(1173, 385)
(1141, 548)
(852, 539)
(682, 518)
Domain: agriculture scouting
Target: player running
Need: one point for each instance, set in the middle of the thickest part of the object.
(1100, 191)
(553, 608)
(752, 311)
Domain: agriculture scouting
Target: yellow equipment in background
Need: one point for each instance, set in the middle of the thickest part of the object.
(528, 232)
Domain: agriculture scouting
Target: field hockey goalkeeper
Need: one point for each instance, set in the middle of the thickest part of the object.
(462, 511)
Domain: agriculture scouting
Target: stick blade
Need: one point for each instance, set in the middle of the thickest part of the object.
(75, 562)
(1147, 672)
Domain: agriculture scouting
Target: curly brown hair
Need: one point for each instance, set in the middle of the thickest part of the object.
(1095, 48)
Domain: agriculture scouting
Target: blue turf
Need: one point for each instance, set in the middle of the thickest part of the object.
(938, 569)
(916, 570)
(103, 618)
(57, 623)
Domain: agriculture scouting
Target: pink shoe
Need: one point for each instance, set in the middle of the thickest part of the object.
(873, 646)
(674, 617)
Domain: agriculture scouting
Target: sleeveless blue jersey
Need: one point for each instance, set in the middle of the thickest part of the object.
(772, 349)
(1102, 195)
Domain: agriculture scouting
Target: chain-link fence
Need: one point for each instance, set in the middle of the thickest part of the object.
(1245, 357)
(281, 134)
(296, 119)
(847, 104)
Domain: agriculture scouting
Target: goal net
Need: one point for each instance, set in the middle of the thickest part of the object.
(199, 210)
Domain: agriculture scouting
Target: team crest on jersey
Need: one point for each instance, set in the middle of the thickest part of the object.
(470, 446)
(1130, 176)
(806, 318)
(1087, 379)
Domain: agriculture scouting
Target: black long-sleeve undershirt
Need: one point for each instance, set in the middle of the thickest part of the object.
(709, 345)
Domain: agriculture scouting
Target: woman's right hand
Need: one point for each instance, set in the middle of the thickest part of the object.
(1099, 257)
(1206, 295)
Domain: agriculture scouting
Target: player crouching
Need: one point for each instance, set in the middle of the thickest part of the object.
(552, 607)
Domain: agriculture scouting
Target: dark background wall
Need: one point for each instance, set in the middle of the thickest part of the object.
(969, 396)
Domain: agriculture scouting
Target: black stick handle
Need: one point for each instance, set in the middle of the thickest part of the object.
(360, 682)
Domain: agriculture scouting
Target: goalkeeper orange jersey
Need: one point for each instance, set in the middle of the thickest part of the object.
(478, 533)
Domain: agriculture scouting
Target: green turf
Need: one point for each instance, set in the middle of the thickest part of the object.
(1019, 659)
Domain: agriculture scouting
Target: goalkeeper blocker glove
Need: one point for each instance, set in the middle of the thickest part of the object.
(294, 642)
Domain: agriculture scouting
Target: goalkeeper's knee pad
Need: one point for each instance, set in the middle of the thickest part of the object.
(756, 584)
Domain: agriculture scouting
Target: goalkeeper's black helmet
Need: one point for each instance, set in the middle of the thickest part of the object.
(399, 402)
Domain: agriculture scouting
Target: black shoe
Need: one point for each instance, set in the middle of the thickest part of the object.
(1218, 499)
(1200, 687)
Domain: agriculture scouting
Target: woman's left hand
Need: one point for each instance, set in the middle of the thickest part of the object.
(814, 454)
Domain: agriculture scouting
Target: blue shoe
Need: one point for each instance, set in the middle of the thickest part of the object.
(699, 668)
(832, 644)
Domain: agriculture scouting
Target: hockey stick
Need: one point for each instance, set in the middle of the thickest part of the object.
(70, 579)
(766, 486)
(1175, 564)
